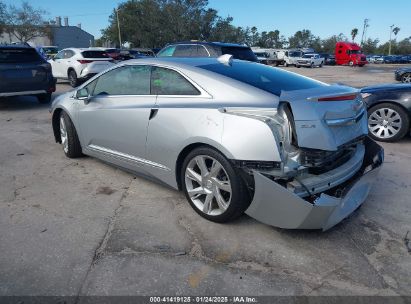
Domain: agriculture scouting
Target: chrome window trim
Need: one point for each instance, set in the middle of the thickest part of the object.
(203, 93)
(127, 157)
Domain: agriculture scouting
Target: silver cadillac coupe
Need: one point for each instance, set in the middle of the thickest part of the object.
(235, 136)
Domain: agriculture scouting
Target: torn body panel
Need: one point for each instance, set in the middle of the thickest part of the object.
(275, 205)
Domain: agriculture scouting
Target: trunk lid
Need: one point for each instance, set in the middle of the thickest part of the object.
(327, 117)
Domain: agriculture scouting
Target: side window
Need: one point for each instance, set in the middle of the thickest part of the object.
(169, 82)
(202, 51)
(68, 54)
(128, 80)
(59, 55)
(167, 52)
(185, 51)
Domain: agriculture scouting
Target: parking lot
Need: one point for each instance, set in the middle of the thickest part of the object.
(82, 227)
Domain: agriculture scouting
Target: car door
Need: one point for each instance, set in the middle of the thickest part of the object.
(113, 122)
(56, 64)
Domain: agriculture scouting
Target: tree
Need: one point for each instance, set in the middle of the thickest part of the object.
(396, 30)
(328, 44)
(2, 17)
(354, 33)
(370, 46)
(25, 22)
(302, 39)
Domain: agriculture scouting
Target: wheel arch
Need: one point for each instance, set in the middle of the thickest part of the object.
(183, 154)
(69, 70)
(394, 102)
(55, 121)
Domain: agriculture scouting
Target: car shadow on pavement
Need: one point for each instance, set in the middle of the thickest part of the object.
(21, 103)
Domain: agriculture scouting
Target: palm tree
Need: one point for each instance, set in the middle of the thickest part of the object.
(395, 30)
(354, 33)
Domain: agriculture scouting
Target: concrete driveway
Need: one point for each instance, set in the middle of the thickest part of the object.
(81, 227)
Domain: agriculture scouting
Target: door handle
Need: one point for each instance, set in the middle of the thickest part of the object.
(153, 113)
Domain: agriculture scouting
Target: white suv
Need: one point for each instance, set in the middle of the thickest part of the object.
(78, 65)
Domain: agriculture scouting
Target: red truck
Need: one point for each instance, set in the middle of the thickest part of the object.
(347, 53)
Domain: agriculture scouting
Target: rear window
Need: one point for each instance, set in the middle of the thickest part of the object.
(94, 54)
(241, 53)
(266, 78)
(19, 55)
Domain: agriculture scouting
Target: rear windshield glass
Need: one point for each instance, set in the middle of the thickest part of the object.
(242, 53)
(19, 55)
(272, 80)
(94, 54)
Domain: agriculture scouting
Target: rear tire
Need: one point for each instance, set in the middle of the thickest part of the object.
(387, 122)
(72, 76)
(297, 66)
(69, 137)
(44, 98)
(406, 78)
(220, 195)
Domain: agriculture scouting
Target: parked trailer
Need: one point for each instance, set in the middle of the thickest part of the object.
(285, 57)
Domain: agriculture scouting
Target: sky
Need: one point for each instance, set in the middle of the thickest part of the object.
(323, 18)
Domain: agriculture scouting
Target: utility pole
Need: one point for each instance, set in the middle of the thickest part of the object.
(118, 26)
(389, 49)
(364, 30)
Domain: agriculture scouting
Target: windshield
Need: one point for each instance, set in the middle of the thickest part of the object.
(19, 55)
(294, 54)
(50, 50)
(261, 54)
(242, 53)
(264, 77)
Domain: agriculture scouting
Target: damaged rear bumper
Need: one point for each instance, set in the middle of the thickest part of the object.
(276, 206)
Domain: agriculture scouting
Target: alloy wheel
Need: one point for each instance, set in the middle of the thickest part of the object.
(406, 78)
(208, 185)
(63, 134)
(384, 123)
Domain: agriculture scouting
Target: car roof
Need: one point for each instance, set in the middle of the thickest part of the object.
(15, 46)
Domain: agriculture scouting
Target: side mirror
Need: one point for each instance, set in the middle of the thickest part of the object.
(83, 94)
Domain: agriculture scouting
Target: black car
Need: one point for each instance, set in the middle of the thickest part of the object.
(23, 71)
(207, 49)
(389, 111)
(328, 59)
(403, 75)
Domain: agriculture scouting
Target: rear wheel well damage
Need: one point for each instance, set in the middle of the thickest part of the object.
(183, 154)
(55, 124)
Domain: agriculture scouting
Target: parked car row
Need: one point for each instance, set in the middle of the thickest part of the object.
(389, 59)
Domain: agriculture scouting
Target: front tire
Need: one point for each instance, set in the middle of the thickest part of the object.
(69, 138)
(406, 78)
(72, 76)
(387, 122)
(212, 186)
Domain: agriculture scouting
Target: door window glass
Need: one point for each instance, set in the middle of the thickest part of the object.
(129, 80)
(167, 52)
(169, 82)
(60, 55)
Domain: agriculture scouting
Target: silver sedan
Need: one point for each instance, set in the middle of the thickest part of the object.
(235, 136)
